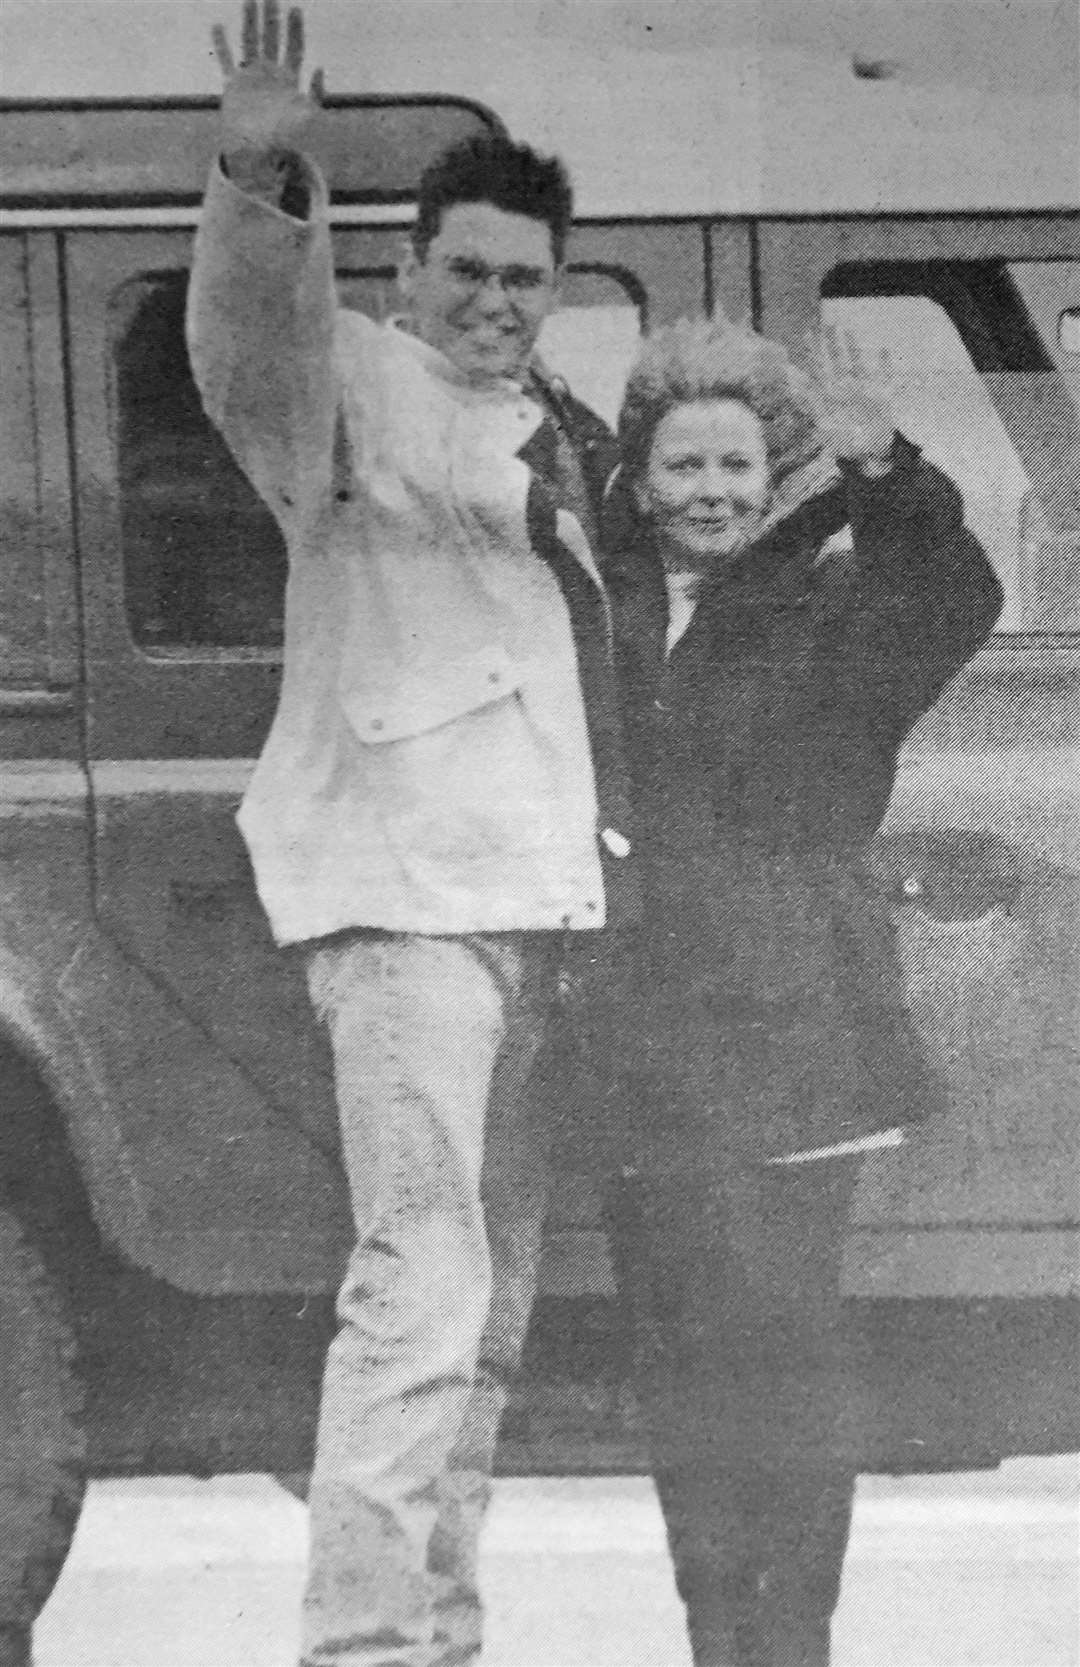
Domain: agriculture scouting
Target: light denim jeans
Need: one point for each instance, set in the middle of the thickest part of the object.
(433, 1042)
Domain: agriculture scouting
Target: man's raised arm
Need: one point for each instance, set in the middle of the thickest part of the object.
(261, 304)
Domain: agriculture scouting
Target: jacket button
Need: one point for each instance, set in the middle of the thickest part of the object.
(615, 843)
(494, 677)
(377, 724)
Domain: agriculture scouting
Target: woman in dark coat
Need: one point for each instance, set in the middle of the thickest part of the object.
(793, 586)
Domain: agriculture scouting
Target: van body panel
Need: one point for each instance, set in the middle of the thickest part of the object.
(141, 584)
(171, 731)
(981, 848)
(222, 1194)
(192, 1172)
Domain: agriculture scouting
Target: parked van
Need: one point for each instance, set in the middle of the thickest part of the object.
(173, 1220)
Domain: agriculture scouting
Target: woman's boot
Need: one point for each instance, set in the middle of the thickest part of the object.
(804, 1525)
(758, 1557)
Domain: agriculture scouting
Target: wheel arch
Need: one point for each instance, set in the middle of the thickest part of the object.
(41, 1175)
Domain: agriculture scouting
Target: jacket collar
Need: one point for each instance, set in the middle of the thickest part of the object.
(559, 489)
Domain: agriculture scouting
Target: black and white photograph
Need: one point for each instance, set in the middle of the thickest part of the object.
(540, 833)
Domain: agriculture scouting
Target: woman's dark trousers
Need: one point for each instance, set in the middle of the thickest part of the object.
(748, 1394)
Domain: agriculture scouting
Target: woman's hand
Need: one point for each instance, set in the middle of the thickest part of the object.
(264, 112)
(855, 408)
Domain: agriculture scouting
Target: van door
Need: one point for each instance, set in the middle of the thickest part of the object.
(183, 575)
(43, 799)
(981, 850)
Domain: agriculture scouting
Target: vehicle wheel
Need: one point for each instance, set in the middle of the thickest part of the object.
(42, 1449)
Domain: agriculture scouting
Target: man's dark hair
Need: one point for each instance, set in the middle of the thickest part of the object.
(491, 168)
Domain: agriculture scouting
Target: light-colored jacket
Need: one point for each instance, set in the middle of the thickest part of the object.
(429, 768)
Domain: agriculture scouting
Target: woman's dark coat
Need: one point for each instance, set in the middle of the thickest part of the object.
(763, 753)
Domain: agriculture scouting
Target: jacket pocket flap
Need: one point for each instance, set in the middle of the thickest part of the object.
(417, 701)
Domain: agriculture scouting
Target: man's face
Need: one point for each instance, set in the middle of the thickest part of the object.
(483, 288)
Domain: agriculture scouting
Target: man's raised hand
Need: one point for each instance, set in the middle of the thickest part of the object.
(264, 110)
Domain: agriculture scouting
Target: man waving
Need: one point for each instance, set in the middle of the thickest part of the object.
(440, 803)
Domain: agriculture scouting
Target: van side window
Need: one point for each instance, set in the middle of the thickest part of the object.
(23, 583)
(981, 382)
(592, 338)
(204, 562)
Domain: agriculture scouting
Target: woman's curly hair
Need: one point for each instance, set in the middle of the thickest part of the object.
(699, 360)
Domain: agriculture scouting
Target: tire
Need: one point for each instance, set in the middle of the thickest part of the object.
(42, 1447)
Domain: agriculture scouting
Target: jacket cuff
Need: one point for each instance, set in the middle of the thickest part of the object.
(903, 455)
(908, 484)
(299, 192)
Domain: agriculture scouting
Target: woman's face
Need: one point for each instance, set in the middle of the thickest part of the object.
(706, 484)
